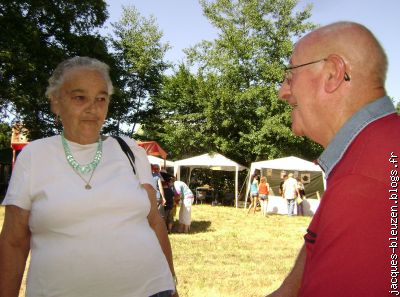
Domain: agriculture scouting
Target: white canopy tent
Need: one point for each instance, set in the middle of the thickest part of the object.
(159, 161)
(288, 164)
(211, 161)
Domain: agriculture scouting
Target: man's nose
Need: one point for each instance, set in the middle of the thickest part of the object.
(284, 91)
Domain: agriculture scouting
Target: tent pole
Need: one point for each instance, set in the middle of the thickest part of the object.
(248, 185)
(177, 172)
(190, 175)
(236, 186)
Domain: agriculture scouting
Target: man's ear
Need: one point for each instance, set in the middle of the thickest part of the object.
(336, 68)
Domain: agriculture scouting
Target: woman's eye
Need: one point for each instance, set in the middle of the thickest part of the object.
(79, 98)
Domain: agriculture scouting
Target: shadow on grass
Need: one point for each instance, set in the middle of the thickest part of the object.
(200, 226)
(195, 227)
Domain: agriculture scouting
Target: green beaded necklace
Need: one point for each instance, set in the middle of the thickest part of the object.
(83, 169)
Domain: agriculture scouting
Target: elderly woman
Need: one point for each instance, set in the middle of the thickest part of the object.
(186, 201)
(90, 222)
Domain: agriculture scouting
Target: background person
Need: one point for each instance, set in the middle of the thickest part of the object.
(160, 195)
(290, 193)
(263, 191)
(253, 193)
(335, 85)
(91, 224)
(300, 197)
(281, 184)
(186, 201)
(169, 201)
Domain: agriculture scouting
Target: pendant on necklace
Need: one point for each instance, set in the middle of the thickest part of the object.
(88, 187)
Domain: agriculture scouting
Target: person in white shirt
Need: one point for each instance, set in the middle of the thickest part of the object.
(290, 193)
(90, 222)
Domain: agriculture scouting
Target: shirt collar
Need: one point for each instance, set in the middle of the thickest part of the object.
(342, 140)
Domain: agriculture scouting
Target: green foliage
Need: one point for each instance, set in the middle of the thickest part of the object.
(177, 120)
(36, 36)
(140, 54)
(231, 105)
(398, 108)
(5, 136)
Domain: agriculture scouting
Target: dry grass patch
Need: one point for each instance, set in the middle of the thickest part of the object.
(231, 254)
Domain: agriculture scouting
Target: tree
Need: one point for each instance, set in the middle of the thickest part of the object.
(398, 108)
(231, 104)
(140, 54)
(5, 136)
(177, 115)
(36, 36)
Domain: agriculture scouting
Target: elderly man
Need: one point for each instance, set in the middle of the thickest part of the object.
(335, 84)
(290, 192)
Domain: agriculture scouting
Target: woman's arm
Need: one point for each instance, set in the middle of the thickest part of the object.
(161, 189)
(14, 249)
(158, 225)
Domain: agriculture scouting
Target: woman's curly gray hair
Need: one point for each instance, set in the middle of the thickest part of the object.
(56, 79)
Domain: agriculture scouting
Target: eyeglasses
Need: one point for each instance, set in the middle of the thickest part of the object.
(288, 70)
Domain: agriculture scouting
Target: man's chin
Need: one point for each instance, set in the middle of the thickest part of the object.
(297, 130)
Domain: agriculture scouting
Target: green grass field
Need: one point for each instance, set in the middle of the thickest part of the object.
(231, 254)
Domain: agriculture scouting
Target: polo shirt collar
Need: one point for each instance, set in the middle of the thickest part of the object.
(349, 131)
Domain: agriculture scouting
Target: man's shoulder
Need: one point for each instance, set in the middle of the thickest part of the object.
(382, 134)
(370, 151)
(385, 123)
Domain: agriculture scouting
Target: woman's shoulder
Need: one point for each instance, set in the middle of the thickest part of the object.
(38, 149)
(42, 143)
(135, 147)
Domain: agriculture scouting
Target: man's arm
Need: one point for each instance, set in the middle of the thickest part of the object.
(14, 250)
(291, 285)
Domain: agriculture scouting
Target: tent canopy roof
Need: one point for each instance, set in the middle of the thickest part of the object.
(287, 163)
(212, 161)
(159, 161)
(153, 148)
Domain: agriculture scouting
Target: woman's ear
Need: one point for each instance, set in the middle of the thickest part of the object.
(336, 68)
(55, 105)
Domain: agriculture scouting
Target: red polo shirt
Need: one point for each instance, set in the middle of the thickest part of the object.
(350, 241)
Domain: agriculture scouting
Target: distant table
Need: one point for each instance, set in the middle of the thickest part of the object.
(203, 192)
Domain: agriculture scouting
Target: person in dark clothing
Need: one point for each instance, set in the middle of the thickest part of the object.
(169, 200)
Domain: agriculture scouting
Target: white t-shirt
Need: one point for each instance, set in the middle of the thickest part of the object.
(289, 188)
(86, 243)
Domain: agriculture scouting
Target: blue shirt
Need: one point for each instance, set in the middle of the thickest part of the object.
(254, 187)
(342, 140)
